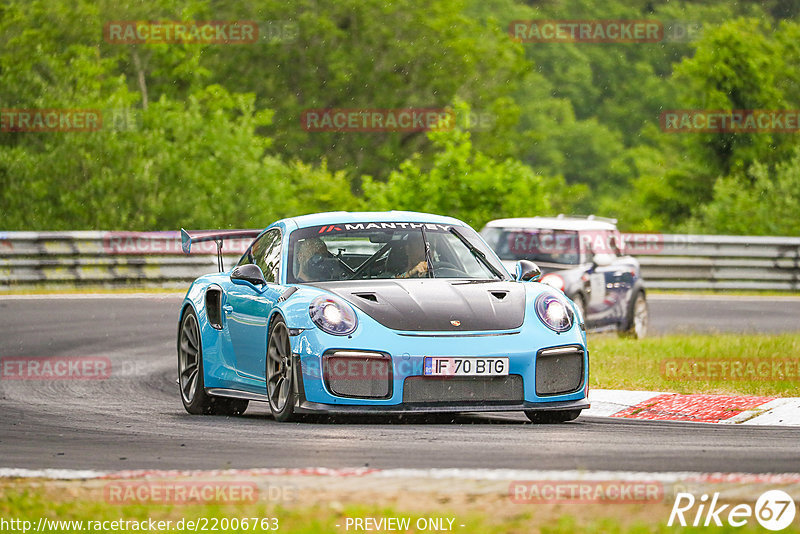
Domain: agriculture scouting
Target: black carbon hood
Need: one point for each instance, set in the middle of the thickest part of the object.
(436, 305)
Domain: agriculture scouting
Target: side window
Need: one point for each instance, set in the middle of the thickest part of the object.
(247, 258)
(266, 253)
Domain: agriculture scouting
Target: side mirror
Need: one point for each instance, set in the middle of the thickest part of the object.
(527, 271)
(601, 260)
(248, 273)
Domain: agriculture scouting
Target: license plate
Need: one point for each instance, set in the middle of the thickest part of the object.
(445, 366)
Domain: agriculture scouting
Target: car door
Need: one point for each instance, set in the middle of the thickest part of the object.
(248, 307)
(619, 278)
(606, 294)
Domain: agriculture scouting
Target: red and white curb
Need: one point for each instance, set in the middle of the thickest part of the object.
(727, 409)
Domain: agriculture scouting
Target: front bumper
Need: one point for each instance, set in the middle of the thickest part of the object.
(316, 407)
(406, 353)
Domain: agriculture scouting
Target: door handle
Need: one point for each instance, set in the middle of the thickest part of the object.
(227, 308)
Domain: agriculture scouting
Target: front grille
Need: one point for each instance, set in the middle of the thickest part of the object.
(559, 370)
(467, 389)
(361, 375)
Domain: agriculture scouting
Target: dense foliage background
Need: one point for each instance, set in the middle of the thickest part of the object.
(217, 140)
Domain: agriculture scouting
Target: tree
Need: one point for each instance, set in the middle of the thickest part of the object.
(464, 183)
(760, 202)
(366, 54)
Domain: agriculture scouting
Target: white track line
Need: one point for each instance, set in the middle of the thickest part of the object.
(689, 296)
(96, 296)
(55, 474)
(436, 474)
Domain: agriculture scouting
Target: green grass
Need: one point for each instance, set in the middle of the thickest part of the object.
(30, 500)
(619, 363)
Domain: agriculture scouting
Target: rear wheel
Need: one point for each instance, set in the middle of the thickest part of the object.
(190, 374)
(280, 375)
(638, 318)
(561, 416)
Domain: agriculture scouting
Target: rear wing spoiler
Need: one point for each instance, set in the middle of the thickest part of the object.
(218, 236)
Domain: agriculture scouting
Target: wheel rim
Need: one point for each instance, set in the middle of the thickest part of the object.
(279, 368)
(640, 317)
(189, 358)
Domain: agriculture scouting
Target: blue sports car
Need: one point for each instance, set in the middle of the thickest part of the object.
(394, 312)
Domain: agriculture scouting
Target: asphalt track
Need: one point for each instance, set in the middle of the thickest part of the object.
(134, 418)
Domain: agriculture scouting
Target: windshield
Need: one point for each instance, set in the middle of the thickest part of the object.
(388, 251)
(538, 245)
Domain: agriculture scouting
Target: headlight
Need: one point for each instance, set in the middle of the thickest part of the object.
(553, 280)
(554, 312)
(333, 316)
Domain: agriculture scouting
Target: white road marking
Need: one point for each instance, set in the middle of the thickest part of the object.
(688, 296)
(91, 296)
(55, 474)
(433, 473)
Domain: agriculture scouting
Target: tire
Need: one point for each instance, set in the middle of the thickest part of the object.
(280, 372)
(554, 417)
(638, 318)
(190, 374)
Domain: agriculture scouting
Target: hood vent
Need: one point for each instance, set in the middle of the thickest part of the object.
(371, 297)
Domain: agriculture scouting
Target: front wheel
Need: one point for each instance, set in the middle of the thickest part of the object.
(190, 374)
(561, 416)
(280, 375)
(638, 318)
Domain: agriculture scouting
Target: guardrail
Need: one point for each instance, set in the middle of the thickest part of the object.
(154, 259)
(105, 259)
(721, 262)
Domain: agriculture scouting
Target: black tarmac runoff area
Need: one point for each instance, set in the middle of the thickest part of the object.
(133, 418)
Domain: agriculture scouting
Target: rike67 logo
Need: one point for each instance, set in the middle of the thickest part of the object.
(774, 510)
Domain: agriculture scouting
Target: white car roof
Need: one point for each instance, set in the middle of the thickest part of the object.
(553, 223)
